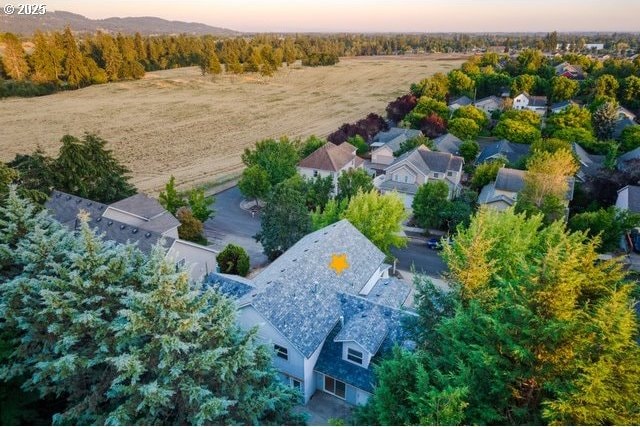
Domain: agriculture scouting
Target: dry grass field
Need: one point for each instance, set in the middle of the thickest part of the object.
(178, 122)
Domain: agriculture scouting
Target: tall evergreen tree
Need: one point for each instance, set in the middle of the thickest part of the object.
(13, 58)
(47, 58)
(74, 68)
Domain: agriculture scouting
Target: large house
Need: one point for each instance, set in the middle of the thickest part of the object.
(506, 150)
(419, 166)
(503, 192)
(330, 160)
(625, 119)
(137, 219)
(569, 71)
(448, 143)
(461, 101)
(590, 164)
(629, 160)
(327, 308)
(386, 143)
(537, 104)
(490, 104)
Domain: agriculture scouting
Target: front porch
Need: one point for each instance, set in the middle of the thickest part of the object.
(323, 406)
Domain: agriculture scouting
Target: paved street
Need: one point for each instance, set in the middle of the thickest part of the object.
(231, 224)
(425, 260)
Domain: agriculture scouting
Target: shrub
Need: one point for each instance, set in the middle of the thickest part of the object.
(233, 260)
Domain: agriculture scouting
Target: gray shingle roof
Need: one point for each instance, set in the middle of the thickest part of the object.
(65, 208)
(448, 143)
(390, 292)
(490, 100)
(628, 156)
(368, 329)
(299, 295)
(141, 205)
(427, 161)
(387, 323)
(393, 133)
(511, 180)
(231, 286)
(589, 164)
(400, 187)
(511, 151)
(461, 100)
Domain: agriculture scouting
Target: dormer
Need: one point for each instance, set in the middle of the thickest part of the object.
(361, 337)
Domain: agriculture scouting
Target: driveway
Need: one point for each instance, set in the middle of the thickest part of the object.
(231, 224)
(416, 254)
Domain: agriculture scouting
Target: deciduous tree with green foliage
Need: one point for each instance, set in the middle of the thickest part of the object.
(460, 84)
(379, 217)
(233, 259)
(630, 138)
(332, 213)
(473, 113)
(285, 219)
(563, 88)
(517, 131)
(538, 331)
(610, 224)
(413, 143)
(428, 203)
(254, 183)
(191, 228)
(463, 128)
(200, 204)
(277, 157)
(485, 173)
(310, 145)
(469, 151)
(170, 199)
(353, 181)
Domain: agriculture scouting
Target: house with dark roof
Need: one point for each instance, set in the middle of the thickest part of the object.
(506, 150)
(590, 164)
(537, 104)
(386, 143)
(145, 225)
(458, 102)
(330, 160)
(625, 119)
(569, 71)
(326, 326)
(559, 107)
(503, 192)
(489, 104)
(417, 167)
(448, 143)
(629, 159)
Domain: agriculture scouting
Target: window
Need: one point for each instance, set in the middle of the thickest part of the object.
(436, 175)
(297, 384)
(281, 352)
(406, 178)
(395, 177)
(315, 173)
(354, 355)
(334, 387)
(449, 173)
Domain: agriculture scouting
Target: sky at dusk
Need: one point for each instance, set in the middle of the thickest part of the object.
(377, 15)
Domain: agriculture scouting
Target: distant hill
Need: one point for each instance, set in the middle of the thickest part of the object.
(146, 25)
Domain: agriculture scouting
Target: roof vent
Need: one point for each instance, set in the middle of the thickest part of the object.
(306, 250)
(89, 204)
(364, 314)
(147, 234)
(315, 241)
(282, 271)
(294, 260)
(98, 219)
(68, 197)
(134, 231)
(110, 223)
(79, 200)
(121, 226)
(378, 295)
(58, 195)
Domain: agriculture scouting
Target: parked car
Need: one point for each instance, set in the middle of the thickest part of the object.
(438, 243)
(433, 243)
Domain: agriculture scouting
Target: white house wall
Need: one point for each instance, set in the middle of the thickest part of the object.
(623, 199)
(366, 356)
(198, 259)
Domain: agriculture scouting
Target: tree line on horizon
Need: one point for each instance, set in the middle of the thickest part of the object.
(63, 60)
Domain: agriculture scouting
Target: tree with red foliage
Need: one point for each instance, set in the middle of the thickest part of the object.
(367, 128)
(396, 110)
(433, 126)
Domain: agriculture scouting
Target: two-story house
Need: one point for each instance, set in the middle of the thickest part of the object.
(503, 192)
(537, 104)
(138, 219)
(418, 167)
(330, 160)
(489, 104)
(385, 144)
(327, 308)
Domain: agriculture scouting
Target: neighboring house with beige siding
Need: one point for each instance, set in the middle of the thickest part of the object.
(418, 167)
(330, 160)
